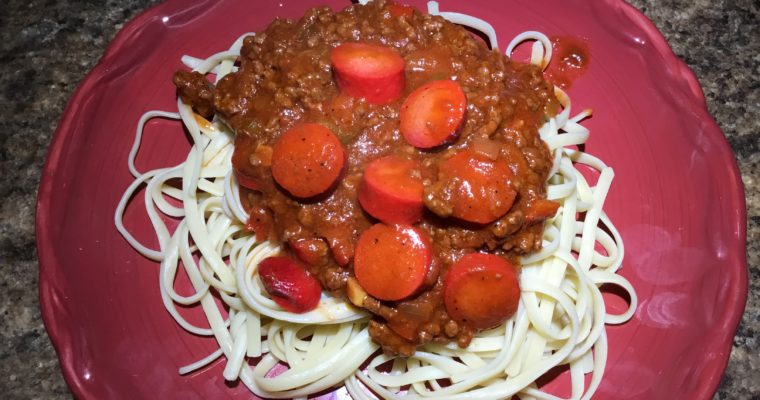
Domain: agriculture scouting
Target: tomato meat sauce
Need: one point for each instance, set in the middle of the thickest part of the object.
(396, 159)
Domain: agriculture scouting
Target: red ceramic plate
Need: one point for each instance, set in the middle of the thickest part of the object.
(677, 200)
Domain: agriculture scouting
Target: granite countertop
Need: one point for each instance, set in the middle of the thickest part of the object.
(46, 48)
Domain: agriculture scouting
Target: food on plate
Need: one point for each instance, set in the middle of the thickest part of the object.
(378, 186)
(439, 134)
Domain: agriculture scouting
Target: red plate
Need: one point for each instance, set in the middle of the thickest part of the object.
(677, 200)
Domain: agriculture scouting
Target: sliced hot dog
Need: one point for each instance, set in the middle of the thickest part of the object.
(307, 160)
(391, 261)
(431, 115)
(472, 187)
(391, 190)
(369, 71)
(289, 285)
(481, 290)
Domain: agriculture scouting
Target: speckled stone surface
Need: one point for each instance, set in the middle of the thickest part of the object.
(47, 47)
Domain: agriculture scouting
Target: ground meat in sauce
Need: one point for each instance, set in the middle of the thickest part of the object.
(194, 89)
(285, 77)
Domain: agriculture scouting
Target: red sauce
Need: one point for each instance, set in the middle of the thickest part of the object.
(570, 60)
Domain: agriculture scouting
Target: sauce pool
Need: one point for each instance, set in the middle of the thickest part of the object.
(570, 60)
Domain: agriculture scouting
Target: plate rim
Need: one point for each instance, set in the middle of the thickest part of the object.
(50, 303)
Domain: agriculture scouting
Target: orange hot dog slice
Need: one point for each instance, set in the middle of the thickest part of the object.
(481, 290)
(369, 71)
(390, 191)
(432, 114)
(391, 261)
(307, 160)
(481, 189)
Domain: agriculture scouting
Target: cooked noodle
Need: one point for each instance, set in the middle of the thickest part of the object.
(560, 320)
